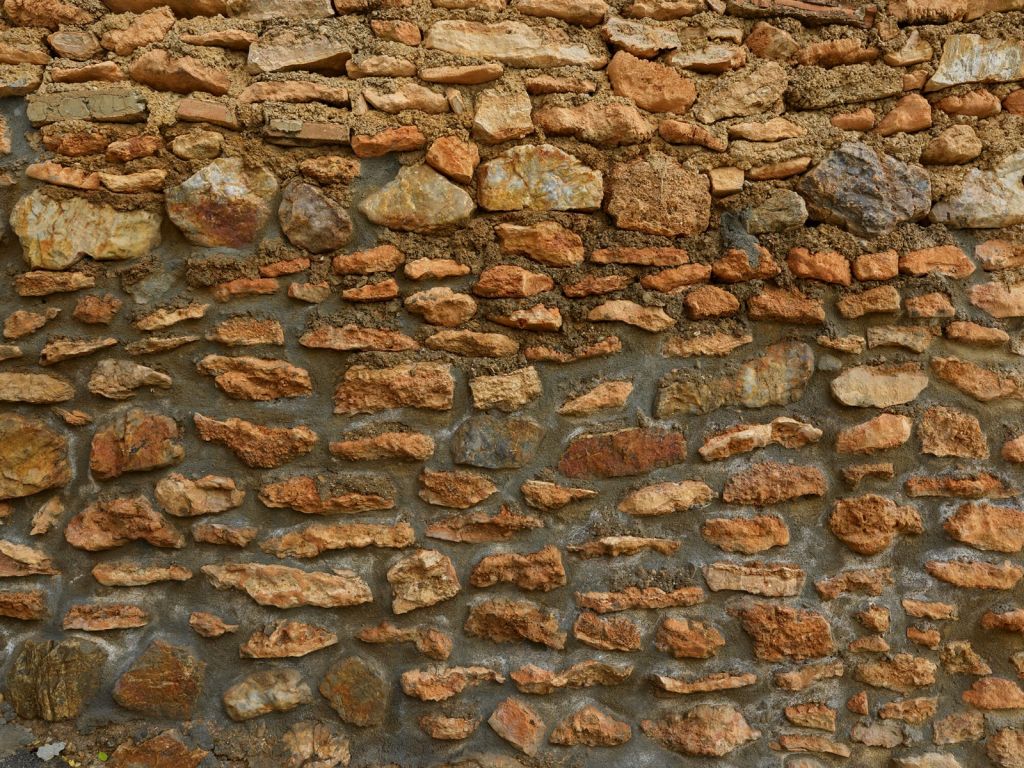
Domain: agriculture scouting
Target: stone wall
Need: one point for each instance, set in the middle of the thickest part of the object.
(512, 384)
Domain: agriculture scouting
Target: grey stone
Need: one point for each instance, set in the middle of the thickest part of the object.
(865, 191)
(102, 105)
(496, 443)
(784, 210)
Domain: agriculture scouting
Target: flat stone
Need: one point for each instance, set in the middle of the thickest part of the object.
(118, 379)
(512, 43)
(163, 72)
(111, 523)
(283, 587)
(266, 691)
(456, 490)
(496, 442)
(879, 386)
(869, 524)
(52, 680)
(285, 50)
(746, 535)
(623, 453)
(604, 125)
(441, 683)
(742, 438)
(410, 385)
(164, 682)
(538, 177)
(104, 105)
(542, 570)
(222, 204)
(707, 729)
(504, 621)
(778, 377)
(780, 632)
(738, 94)
(54, 234)
(254, 378)
(254, 444)
(987, 527)
(771, 482)
(314, 540)
(658, 196)
(974, 59)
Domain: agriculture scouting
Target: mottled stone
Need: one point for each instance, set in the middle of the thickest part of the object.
(266, 691)
(356, 691)
(707, 729)
(780, 632)
(657, 195)
(419, 199)
(312, 220)
(510, 42)
(869, 524)
(987, 198)
(33, 457)
(864, 191)
(107, 524)
(625, 452)
(538, 177)
(165, 681)
(223, 204)
(421, 579)
(254, 444)
(135, 441)
(54, 680)
(285, 587)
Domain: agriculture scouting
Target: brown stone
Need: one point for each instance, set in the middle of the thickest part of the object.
(869, 524)
(622, 453)
(253, 378)
(504, 621)
(975, 575)
(592, 728)
(441, 683)
(611, 634)
(416, 385)
(286, 639)
(165, 681)
(657, 195)
(113, 523)
(746, 535)
(254, 444)
(688, 639)
(541, 570)
(284, 587)
(770, 482)
(518, 724)
(706, 729)
(652, 86)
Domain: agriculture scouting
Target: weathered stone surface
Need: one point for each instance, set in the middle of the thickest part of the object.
(778, 377)
(747, 92)
(253, 378)
(987, 199)
(286, 639)
(283, 50)
(33, 457)
(424, 578)
(223, 204)
(496, 442)
(748, 536)
(770, 482)
(285, 587)
(54, 680)
(102, 617)
(412, 385)
(128, 574)
(779, 632)
(542, 570)
(266, 691)
(504, 621)
(987, 527)
(312, 220)
(625, 452)
(54, 233)
(657, 195)
(864, 191)
(538, 177)
(869, 524)
(707, 729)
(256, 445)
(419, 199)
(975, 575)
(742, 438)
(161, 751)
(135, 441)
(207, 495)
(518, 724)
(766, 579)
(356, 691)
(879, 386)
(591, 727)
(115, 522)
(164, 682)
(510, 42)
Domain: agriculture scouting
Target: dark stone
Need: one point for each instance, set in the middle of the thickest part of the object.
(311, 220)
(53, 681)
(864, 191)
(356, 691)
(165, 681)
(496, 443)
(626, 452)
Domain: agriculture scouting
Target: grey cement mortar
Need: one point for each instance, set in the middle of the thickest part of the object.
(399, 740)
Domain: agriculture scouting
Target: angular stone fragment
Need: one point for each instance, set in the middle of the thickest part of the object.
(619, 546)
(118, 379)
(651, 319)
(419, 199)
(879, 386)
(107, 524)
(54, 234)
(688, 639)
(538, 177)
(104, 105)
(165, 681)
(457, 490)
(312, 220)
(742, 438)
(611, 634)
(313, 540)
(625, 452)
(608, 125)
(653, 87)
(864, 191)
(254, 444)
(657, 195)
(266, 691)
(128, 574)
(901, 673)
(973, 59)
(284, 587)
(542, 570)
(591, 727)
(253, 378)
(518, 724)
(747, 92)
(504, 621)
(135, 441)
(356, 691)
(1005, 748)
(766, 579)
(424, 578)
(33, 457)
(707, 729)
(439, 683)
(398, 446)
(510, 42)
(778, 377)
(780, 632)
(410, 385)
(163, 72)
(666, 498)
(949, 432)
(224, 203)
(478, 527)
(869, 524)
(987, 527)
(282, 49)
(208, 495)
(54, 680)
